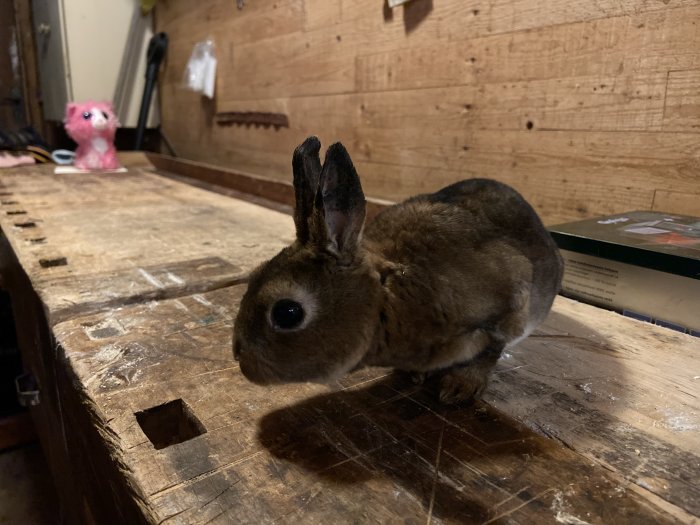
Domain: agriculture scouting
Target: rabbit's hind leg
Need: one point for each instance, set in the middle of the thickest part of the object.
(464, 383)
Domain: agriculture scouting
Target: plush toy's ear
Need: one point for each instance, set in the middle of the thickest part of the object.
(71, 108)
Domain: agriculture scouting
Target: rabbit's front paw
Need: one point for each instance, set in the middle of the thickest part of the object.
(462, 385)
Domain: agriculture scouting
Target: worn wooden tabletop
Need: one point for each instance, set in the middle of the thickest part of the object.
(91, 241)
(595, 418)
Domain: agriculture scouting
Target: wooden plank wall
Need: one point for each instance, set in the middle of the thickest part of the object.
(586, 107)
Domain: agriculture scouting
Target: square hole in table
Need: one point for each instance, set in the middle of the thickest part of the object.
(169, 424)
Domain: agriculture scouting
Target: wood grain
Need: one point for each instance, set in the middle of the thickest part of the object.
(80, 243)
(600, 94)
(406, 145)
(382, 443)
(640, 43)
(306, 63)
(321, 13)
(682, 109)
(593, 418)
(676, 202)
(153, 237)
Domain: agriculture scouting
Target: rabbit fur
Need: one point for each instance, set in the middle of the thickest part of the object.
(439, 284)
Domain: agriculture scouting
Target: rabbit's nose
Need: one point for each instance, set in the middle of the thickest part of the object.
(237, 350)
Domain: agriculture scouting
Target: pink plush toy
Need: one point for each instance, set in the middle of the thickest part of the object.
(93, 125)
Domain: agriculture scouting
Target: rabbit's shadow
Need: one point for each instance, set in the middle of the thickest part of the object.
(455, 462)
(377, 432)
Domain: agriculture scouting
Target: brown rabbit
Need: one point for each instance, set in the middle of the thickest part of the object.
(440, 283)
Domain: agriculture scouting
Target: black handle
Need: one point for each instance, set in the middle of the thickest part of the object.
(154, 56)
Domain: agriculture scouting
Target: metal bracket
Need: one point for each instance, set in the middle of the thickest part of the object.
(27, 390)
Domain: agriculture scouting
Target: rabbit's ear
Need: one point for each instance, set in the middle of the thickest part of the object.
(340, 202)
(306, 166)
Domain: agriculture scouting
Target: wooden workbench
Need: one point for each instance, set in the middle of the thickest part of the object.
(593, 419)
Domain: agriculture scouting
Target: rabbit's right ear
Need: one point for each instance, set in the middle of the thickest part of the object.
(306, 166)
(339, 216)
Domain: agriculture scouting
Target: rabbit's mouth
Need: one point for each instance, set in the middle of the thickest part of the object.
(253, 367)
(253, 370)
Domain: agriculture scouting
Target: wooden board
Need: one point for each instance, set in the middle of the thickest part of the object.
(676, 202)
(74, 244)
(682, 110)
(91, 241)
(376, 447)
(587, 109)
(566, 175)
(595, 418)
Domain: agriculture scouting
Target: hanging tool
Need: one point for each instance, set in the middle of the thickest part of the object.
(154, 56)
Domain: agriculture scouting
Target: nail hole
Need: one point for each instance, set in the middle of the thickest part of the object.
(50, 263)
(529, 125)
(16, 212)
(28, 224)
(169, 424)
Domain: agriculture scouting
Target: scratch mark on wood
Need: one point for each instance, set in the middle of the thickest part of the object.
(173, 516)
(151, 279)
(523, 504)
(214, 517)
(299, 511)
(476, 471)
(181, 306)
(511, 369)
(218, 495)
(547, 432)
(217, 371)
(366, 381)
(206, 474)
(140, 443)
(437, 474)
(515, 495)
(353, 458)
(174, 278)
(201, 300)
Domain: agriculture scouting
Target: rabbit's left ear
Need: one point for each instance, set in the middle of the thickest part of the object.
(307, 170)
(340, 203)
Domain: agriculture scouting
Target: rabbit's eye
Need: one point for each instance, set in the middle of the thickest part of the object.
(87, 115)
(287, 314)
